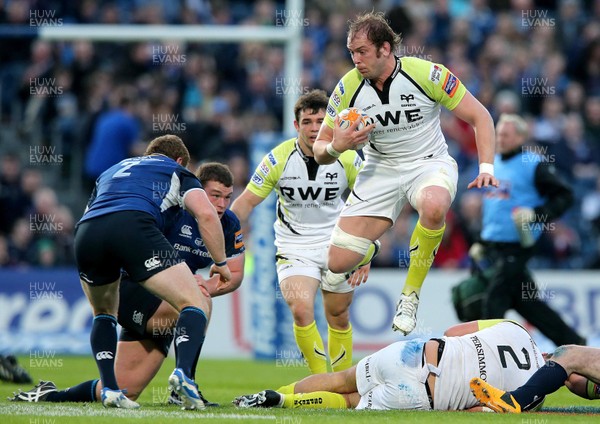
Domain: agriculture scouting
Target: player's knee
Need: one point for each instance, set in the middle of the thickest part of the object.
(303, 313)
(207, 306)
(202, 301)
(433, 203)
(433, 214)
(340, 322)
(437, 216)
(340, 314)
(347, 242)
(105, 311)
(336, 261)
(105, 305)
(207, 299)
(204, 291)
(338, 311)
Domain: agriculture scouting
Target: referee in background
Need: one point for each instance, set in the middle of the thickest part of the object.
(529, 197)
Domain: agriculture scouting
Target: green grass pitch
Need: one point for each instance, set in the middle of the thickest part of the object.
(221, 381)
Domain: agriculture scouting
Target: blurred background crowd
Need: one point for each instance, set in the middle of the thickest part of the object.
(69, 110)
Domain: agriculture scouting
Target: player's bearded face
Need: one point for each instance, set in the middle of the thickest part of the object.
(366, 56)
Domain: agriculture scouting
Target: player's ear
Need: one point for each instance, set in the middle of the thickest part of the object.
(179, 160)
(387, 48)
(296, 125)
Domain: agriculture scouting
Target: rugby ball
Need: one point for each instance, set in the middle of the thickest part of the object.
(350, 115)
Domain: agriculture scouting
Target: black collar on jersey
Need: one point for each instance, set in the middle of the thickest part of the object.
(312, 167)
(302, 154)
(384, 94)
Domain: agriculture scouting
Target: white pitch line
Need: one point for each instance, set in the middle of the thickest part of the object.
(87, 411)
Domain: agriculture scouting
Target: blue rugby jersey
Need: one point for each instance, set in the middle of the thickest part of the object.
(183, 233)
(149, 184)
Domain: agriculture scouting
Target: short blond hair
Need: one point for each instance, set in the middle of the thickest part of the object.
(520, 124)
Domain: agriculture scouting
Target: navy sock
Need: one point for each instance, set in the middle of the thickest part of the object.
(83, 392)
(546, 380)
(189, 336)
(104, 345)
(193, 372)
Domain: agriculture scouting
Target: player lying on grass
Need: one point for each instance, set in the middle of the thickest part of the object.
(418, 374)
(577, 367)
(148, 323)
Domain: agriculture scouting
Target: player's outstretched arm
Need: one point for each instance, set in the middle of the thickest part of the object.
(462, 329)
(198, 204)
(243, 206)
(474, 113)
(471, 327)
(217, 288)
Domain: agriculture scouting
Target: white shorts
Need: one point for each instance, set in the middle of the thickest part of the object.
(310, 263)
(383, 187)
(390, 378)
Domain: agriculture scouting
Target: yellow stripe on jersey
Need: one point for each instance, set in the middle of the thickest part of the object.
(436, 80)
(267, 173)
(339, 100)
(352, 163)
(487, 323)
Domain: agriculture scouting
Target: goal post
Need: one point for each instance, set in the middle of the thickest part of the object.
(287, 32)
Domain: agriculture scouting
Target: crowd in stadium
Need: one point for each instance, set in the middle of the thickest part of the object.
(94, 104)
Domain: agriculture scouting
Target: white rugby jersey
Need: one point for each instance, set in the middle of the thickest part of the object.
(504, 355)
(309, 196)
(406, 112)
